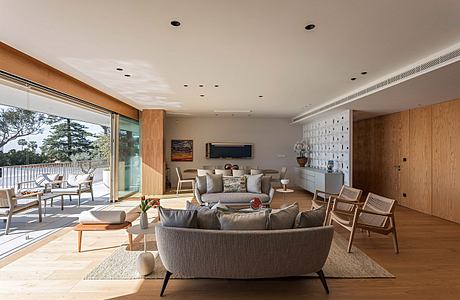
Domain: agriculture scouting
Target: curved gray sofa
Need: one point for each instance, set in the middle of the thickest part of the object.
(202, 253)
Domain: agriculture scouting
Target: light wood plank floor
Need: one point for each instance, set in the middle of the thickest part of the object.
(428, 267)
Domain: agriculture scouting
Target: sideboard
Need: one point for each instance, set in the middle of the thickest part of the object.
(312, 179)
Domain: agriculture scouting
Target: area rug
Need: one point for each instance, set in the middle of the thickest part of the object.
(121, 265)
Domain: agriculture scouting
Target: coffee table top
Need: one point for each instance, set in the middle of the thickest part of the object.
(285, 191)
(136, 229)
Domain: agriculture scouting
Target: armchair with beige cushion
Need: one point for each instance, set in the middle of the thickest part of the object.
(75, 185)
(376, 215)
(9, 205)
(43, 183)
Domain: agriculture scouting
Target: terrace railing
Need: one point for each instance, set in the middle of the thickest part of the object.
(10, 176)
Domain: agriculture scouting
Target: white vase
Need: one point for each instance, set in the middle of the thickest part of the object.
(144, 220)
(145, 263)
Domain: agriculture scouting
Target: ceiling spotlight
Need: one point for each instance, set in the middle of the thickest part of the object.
(175, 23)
(363, 73)
(127, 75)
(185, 85)
(201, 85)
(119, 69)
(202, 95)
(216, 85)
(310, 27)
(261, 96)
(353, 78)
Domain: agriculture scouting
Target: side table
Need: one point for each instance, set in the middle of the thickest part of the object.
(145, 261)
(284, 191)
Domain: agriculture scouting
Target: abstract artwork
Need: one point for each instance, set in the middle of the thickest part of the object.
(181, 150)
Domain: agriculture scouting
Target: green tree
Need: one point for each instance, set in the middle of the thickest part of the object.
(67, 138)
(22, 143)
(16, 123)
(101, 147)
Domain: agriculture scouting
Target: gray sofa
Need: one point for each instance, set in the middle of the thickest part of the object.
(236, 199)
(202, 253)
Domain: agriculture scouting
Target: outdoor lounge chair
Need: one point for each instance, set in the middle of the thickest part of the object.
(10, 207)
(76, 185)
(43, 183)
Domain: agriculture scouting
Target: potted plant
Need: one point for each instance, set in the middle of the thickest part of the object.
(300, 148)
(145, 205)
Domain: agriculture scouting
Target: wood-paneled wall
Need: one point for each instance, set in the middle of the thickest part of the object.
(413, 157)
(152, 151)
(27, 67)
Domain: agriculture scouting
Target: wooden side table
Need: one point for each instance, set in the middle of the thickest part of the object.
(284, 191)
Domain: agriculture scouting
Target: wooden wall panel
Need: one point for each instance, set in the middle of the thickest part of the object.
(152, 152)
(446, 160)
(25, 66)
(419, 195)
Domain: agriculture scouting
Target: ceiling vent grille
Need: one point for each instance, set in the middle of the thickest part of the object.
(449, 57)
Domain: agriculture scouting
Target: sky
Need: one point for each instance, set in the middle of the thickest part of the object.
(93, 128)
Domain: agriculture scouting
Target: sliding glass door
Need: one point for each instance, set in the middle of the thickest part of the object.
(129, 162)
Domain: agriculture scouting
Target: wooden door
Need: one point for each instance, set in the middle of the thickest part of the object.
(404, 143)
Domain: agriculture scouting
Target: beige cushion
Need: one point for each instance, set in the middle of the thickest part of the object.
(178, 217)
(214, 183)
(283, 218)
(75, 180)
(223, 172)
(244, 221)
(254, 183)
(44, 179)
(238, 173)
(102, 217)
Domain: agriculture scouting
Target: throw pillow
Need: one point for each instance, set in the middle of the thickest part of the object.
(178, 217)
(283, 218)
(207, 218)
(312, 218)
(243, 221)
(75, 180)
(254, 183)
(200, 182)
(234, 184)
(44, 179)
(214, 183)
(266, 184)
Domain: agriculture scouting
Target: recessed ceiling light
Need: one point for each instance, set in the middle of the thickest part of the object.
(119, 69)
(353, 78)
(202, 95)
(310, 27)
(175, 23)
(363, 73)
(216, 85)
(261, 96)
(185, 85)
(201, 85)
(127, 75)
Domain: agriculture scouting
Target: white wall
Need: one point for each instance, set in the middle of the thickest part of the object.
(330, 138)
(272, 138)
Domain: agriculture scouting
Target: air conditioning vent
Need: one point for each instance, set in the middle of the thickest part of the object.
(431, 64)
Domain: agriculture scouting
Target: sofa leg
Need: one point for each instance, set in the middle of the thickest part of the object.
(323, 280)
(165, 282)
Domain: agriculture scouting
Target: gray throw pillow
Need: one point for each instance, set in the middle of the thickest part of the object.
(312, 218)
(254, 183)
(283, 218)
(266, 184)
(207, 218)
(244, 221)
(200, 182)
(234, 184)
(178, 217)
(214, 183)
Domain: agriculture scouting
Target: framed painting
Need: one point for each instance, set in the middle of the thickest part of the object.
(181, 150)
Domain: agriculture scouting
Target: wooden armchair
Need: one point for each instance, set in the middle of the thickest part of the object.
(346, 193)
(75, 185)
(376, 215)
(9, 205)
(43, 183)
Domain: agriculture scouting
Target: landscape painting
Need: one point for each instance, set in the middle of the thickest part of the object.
(181, 150)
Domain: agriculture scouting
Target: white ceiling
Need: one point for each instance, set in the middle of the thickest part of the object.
(248, 48)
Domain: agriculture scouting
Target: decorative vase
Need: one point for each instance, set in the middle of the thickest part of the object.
(145, 263)
(302, 161)
(144, 220)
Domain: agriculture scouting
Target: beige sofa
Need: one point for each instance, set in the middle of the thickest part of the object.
(202, 253)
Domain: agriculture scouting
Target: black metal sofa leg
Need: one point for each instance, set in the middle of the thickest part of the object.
(165, 282)
(323, 280)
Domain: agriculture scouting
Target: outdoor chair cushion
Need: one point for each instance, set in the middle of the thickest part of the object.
(45, 179)
(75, 180)
(68, 190)
(18, 207)
(102, 217)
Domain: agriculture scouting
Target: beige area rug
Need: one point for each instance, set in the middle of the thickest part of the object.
(121, 265)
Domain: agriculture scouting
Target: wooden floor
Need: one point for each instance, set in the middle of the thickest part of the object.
(428, 267)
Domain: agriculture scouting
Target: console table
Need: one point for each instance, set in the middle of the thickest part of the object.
(312, 179)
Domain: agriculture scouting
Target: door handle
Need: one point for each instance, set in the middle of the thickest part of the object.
(398, 167)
